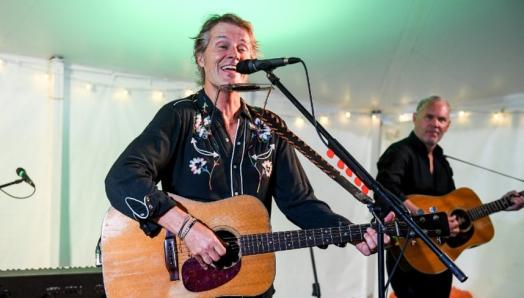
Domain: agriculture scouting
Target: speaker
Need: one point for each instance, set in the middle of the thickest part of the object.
(58, 282)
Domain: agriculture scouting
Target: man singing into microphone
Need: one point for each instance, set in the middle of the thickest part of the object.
(209, 146)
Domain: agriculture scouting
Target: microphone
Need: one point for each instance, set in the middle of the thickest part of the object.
(22, 174)
(253, 65)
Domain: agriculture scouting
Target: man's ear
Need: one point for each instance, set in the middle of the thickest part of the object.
(200, 60)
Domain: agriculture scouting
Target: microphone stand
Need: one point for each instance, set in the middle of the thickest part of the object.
(316, 285)
(394, 202)
(11, 183)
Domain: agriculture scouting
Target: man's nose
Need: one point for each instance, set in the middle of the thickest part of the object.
(234, 53)
(435, 122)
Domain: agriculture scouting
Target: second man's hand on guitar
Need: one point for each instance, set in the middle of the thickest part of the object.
(454, 226)
(517, 200)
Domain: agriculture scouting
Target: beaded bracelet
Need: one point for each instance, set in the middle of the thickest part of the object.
(186, 219)
(185, 229)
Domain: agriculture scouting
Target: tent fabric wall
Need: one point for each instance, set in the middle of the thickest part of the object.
(67, 146)
(26, 130)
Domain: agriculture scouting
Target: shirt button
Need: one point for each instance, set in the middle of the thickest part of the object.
(238, 143)
(234, 166)
(227, 140)
(236, 193)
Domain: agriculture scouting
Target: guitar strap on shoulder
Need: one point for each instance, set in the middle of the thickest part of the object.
(278, 126)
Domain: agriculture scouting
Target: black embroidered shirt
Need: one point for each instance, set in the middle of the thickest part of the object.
(187, 149)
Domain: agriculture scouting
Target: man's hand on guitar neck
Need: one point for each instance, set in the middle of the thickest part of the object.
(517, 199)
(369, 246)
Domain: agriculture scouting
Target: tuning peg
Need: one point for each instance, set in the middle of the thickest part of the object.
(432, 209)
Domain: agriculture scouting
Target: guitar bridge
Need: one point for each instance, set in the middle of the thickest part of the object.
(171, 257)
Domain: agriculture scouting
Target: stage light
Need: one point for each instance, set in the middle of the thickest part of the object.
(406, 117)
(157, 96)
(121, 94)
(299, 122)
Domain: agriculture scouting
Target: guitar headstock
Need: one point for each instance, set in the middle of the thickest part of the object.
(433, 224)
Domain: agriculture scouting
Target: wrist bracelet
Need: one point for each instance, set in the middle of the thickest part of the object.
(184, 223)
(186, 228)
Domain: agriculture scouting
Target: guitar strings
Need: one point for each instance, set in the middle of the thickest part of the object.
(253, 240)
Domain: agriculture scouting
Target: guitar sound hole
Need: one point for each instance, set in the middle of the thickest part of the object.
(463, 219)
(232, 250)
(466, 229)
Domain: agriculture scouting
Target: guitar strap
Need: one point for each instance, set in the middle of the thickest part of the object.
(278, 126)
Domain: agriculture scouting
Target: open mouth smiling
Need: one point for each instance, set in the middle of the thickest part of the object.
(229, 67)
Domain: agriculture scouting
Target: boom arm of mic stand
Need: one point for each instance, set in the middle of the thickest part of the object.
(11, 183)
(366, 178)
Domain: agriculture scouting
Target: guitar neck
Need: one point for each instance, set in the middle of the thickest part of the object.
(278, 241)
(489, 208)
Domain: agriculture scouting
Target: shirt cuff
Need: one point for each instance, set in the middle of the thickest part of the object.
(158, 203)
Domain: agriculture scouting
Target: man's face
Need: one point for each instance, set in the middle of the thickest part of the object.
(228, 44)
(431, 123)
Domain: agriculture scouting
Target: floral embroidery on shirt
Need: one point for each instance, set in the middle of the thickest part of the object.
(267, 167)
(201, 143)
(202, 126)
(263, 164)
(197, 165)
(262, 131)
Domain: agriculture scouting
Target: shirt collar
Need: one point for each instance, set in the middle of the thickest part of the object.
(206, 106)
(421, 147)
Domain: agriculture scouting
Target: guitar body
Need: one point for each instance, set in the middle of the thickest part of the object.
(134, 265)
(472, 232)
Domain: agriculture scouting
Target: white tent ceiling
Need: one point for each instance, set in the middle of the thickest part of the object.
(362, 55)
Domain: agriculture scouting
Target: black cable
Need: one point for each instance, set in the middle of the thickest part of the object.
(312, 105)
(484, 168)
(19, 198)
(397, 262)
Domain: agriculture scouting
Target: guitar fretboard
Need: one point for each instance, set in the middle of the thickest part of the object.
(489, 208)
(278, 241)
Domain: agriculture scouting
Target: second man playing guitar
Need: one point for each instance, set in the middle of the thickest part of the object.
(417, 165)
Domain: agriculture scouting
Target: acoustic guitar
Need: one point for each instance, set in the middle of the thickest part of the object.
(134, 265)
(475, 227)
